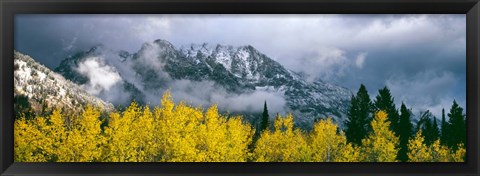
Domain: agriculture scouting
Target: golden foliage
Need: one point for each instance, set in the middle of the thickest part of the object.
(131, 136)
(418, 151)
(284, 144)
(328, 145)
(170, 133)
(182, 133)
(84, 141)
(30, 141)
(382, 144)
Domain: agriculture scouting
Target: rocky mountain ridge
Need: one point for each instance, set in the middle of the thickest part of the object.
(239, 70)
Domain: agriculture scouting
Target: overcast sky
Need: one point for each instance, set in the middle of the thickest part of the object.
(421, 58)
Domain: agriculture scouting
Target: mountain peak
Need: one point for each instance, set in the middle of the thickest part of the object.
(97, 48)
(163, 43)
(238, 69)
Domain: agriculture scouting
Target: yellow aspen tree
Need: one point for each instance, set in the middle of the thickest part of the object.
(166, 133)
(349, 153)
(57, 134)
(190, 135)
(325, 142)
(122, 142)
(40, 139)
(133, 141)
(216, 135)
(459, 154)
(418, 151)
(191, 132)
(442, 153)
(284, 144)
(439, 152)
(30, 143)
(382, 144)
(112, 150)
(239, 137)
(158, 135)
(178, 131)
(22, 132)
(144, 130)
(84, 142)
(328, 145)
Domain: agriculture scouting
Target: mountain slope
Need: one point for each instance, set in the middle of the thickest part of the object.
(41, 86)
(237, 71)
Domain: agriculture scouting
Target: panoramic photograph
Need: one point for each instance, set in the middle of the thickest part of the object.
(240, 88)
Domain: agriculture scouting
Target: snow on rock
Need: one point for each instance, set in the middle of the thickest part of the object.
(241, 70)
(39, 83)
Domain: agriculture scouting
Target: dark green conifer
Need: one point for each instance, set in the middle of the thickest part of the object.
(384, 101)
(457, 127)
(405, 132)
(444, 128)
(359, 116)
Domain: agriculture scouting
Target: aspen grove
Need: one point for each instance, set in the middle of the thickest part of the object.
(182, 133)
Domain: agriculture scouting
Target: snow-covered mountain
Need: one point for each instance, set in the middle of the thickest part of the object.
(206, 73)
(44, 87)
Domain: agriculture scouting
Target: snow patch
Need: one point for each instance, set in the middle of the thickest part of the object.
(225, 59)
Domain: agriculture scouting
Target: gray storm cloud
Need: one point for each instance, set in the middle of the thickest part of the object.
(411, 90)
(345, 49)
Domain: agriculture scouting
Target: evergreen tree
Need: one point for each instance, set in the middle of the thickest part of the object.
(429, 127)
(384, 101)
(264, 124)
(435, 130)
(405, 132)
(359, 116)
(457, 127)
(428, 131)
(444, 126)
(22, 107)
(353, 123)
(421, 122)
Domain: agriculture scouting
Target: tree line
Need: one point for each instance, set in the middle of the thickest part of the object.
(451, 134)
(182, 133)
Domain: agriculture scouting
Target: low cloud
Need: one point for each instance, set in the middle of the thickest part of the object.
(101, 77)
(103, 80)
(107, 73)
(425, 91)
(328, 64)
(324, 63)
(360, 60)
(206, 93)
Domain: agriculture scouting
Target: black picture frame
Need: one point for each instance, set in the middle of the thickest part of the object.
(9, 8)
